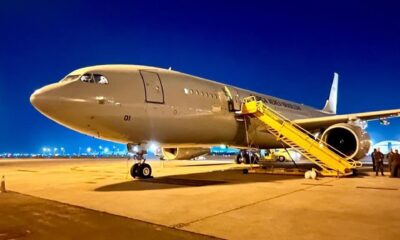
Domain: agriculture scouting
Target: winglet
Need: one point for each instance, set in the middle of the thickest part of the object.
(331, 103)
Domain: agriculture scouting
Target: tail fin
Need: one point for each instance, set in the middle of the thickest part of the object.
(331, 103)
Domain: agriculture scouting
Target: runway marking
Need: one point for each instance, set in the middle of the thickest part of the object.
(377, 188)
(181, 225)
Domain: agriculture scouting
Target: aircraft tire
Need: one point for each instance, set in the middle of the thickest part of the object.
(144, 170)
(246, 158)
(238, 159)
(134, 170)
(243, 157)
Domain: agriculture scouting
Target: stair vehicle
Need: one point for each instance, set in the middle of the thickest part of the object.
(330, 161)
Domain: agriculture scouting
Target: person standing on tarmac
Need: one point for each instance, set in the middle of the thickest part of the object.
(373, 159)
(378, 157)
(390, 157)
(395, 164)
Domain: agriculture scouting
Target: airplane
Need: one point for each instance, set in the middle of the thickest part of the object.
(186, 115)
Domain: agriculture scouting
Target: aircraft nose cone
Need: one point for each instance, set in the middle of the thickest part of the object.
(44, 99)
(38, 100)
(34, 98)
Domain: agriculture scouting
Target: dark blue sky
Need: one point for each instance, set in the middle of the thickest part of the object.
(284, 48)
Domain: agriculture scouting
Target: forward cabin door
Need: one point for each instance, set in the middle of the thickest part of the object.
(232, 96)
(153, 88)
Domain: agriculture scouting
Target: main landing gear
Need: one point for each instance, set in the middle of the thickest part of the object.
(140, 169)
(247, 157)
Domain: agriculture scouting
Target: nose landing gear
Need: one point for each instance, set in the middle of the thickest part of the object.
(140, 169)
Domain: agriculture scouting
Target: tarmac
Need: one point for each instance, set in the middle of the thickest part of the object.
(193, 200)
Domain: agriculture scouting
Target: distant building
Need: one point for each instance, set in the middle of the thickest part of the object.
(385, 146)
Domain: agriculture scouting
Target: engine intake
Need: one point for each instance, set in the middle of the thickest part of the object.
(348, 139)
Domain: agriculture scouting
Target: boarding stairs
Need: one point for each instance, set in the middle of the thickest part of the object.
(331, 161)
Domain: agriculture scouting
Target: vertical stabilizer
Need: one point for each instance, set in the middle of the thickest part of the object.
(331, 103)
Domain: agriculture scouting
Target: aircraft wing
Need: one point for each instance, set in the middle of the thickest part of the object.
(323, 122)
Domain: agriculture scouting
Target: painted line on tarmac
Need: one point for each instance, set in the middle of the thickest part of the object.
(181, 225)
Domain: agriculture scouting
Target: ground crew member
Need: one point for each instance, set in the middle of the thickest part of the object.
(378, 157)
(395, 165)
(390, 157)
(373, 160)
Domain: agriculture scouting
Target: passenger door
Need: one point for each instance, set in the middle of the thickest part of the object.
(153, 88)
(232, 95)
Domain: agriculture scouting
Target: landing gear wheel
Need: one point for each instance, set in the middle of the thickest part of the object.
(238, 159)
(243, 157)
(145, 170)
(246, 158)
(135, 170)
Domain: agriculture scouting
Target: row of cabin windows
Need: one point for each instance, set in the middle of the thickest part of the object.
(200, 93)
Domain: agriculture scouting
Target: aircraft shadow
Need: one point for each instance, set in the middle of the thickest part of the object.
(227, 177)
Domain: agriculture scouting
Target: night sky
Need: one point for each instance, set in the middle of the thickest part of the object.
(288, 49)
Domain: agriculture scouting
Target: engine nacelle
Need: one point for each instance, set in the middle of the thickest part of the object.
(183, 153)
(349, 139)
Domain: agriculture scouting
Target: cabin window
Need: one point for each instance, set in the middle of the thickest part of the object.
(191, 91)
(186, 91)
(197, 92)
(94, 78)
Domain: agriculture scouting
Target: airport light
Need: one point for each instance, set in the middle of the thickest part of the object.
(89, 149)
(153, 147)
(106, 150)
(135, 149)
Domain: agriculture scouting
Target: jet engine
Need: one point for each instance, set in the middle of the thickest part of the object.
(183, 153)
(349, 139)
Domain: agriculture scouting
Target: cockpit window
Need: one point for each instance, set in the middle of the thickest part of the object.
(100, 79)
(94, 78)
(87, 78)
(70, 78)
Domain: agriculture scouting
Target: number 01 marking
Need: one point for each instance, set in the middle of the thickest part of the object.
(127, 117)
